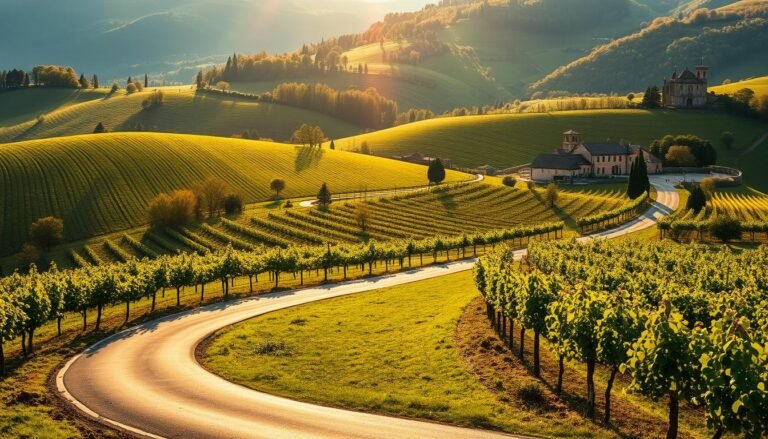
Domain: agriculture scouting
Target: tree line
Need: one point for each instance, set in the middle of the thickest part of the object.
(684, 324)
(46, 76)
(28, 301)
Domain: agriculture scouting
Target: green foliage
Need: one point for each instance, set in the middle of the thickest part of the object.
(509, 181)
(436, 171)
(324, 197)
(551, 194)
(727, 138)
(46, 232)
(308, 136)
(651, 98)
(725, 228)
(697, 200)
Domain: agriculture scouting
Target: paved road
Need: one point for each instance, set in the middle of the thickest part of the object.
(146, 379)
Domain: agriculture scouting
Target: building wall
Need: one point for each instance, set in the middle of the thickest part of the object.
(677, 94)
(605, 165)
(543, 174)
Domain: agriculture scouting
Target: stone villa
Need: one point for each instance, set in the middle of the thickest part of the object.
(578, 159)
(687, 89)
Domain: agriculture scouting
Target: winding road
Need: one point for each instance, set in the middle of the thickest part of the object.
(146, 380)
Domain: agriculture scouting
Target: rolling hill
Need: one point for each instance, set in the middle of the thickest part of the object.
(102, 183)
(68, 112)
(758, 85)
(732, 40)
(514, 139)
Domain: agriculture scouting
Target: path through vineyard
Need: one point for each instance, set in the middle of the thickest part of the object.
(146, 379)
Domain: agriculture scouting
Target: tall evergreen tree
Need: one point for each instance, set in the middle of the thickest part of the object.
(333, 145)
(146, 81)
(642, 173)
(633, 187)
(436, 171)
(100, 129)
(130, 81)
(324, 197)
(95, 81)
(84, 81)
(26, 79)
(199, 79)
(697, 200)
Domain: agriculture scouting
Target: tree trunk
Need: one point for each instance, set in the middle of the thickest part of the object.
(277, 278)
(370, 268)
(29, 341)
(511, 332)
(718, 433)
(590, 413)
(522, 341)
(2, 359)
(674, 412)
(250, 284)
(325, 274)
(560, 372)
(58, 325)
(23, 342)
(84, 313)
(301, 277)
(154, 300)
(202, 292)
(127, 310)
(536, 365)
(503, 326)
(345, 271)
(607, 417)
(98, 317)
(178, 296)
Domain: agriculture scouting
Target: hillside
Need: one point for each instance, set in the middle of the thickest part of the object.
(758, 85)
(474, 53)
(513, 139)
(103, 183)
(68, 112)
(732, 40)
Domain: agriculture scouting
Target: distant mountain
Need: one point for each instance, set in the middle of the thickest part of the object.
(732, 40)
(116, 38)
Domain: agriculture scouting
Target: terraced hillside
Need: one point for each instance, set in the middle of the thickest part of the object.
(66, 113)
(102, 183)
(514, 139)
(449, 211)
(745, 204)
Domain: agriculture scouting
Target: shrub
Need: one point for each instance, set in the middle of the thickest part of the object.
(211, 194)
(509, 181)
(551, 194)
(233, 203)
(708, 185)
(115, 87)
(46, 232)
(222, 85)
(532, 395)
(680, 155)
(727, 138)
(29, 255)
(697, 200)
(154, 100)
(139, 86)
(725, 228)
(288, 204)
(131, 88)
(175, 209)
(277, 185)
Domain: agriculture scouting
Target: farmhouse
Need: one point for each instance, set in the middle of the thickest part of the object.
(687, 89)
(578, 159)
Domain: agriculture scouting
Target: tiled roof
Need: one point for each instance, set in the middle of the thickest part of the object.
(606, 149)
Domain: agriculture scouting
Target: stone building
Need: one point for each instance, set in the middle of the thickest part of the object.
(576, 159)
(687, 89)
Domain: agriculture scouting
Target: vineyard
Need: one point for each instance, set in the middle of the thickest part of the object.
(680, 324)
(103, 183)
(450, 211)
(747, 206)
(182, 111)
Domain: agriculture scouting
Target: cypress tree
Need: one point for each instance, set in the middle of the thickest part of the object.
(333, 145)
(84, 82)
(644, 183)
(95, 81)
(633, 187)
(146, 81)
(26, 79)
(436, 171)
(324, 196)
(697, 200)
(100, 129)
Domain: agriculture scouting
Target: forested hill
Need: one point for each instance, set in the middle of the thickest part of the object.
(468, 52)
(732, 40)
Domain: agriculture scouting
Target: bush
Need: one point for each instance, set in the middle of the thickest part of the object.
(175, 209)
(154, 100)
(46, 232)
(532, 395)
(288, 204)
(222, 85)
(551, 194)
(139, 86)
(233, 203)
(509, 181)
(29, 255)
(697, 199)
(725, 228)
(131, 88)
(115, 87)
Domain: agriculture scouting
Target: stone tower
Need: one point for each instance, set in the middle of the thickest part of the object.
(571, 140)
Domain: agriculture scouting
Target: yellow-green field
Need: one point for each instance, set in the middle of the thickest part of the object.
(513, 139)
(452, 211)
(102, 183)
(758, 85)
(67, 112)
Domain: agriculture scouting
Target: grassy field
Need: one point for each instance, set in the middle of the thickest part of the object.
(513, 139)
(103, 183)
(450, 212)
(758, 85)
(369, 352)
(69, 113)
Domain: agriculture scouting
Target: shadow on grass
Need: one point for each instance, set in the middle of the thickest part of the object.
(307, 157)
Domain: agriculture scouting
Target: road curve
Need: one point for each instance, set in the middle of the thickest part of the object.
(145, 380)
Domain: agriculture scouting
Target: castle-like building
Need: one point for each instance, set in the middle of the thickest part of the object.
(687, 89)
(575, 159)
